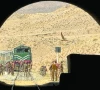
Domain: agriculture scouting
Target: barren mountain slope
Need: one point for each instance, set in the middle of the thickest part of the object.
(42, 32)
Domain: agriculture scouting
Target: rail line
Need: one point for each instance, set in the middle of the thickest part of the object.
(20, 75)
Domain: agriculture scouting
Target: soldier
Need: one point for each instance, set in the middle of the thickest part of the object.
(1, 69)
(25, 69)
(6, 68)
(43, 70)
(21, 66)
(12, 68)
(61, 67)
(29, 68)
(54, 71)
(17, 65)
(9, 67)
(50, 68)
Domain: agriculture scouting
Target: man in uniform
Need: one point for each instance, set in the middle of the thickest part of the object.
(25, 69)
(61, 67)
(43, 70)
(29, 68)
(1, 69)
(9, 67)
(54, 71)
(12, 67)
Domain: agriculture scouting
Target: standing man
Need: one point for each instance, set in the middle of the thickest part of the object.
(29, 68)
(61, 67)
(9, 67)
(25, 69)
(1, 69)
(54, 71)
(12, 67)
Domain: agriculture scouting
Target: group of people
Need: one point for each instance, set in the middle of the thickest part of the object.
(11, 66)
(27, 68)
(55, 70)
(7, 68)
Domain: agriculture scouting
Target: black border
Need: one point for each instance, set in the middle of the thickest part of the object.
(7, 7)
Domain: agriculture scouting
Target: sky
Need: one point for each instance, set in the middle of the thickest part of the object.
(41, 7)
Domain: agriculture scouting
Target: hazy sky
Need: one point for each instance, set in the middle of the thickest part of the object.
(42, 7)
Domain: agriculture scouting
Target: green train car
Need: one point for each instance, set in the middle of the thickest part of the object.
(19, 55)
(22, 53)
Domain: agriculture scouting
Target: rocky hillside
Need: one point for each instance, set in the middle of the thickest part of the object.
(42, 32)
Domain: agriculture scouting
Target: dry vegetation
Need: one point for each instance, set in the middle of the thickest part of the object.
(42, 32)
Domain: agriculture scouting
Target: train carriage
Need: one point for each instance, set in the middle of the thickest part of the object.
(21, 54)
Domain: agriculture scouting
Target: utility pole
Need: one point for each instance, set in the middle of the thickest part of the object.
(57, 50)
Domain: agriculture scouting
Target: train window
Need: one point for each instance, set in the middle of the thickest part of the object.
(26, 50)
(19, 50)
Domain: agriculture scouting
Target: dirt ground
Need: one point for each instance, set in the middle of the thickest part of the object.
(36, 79)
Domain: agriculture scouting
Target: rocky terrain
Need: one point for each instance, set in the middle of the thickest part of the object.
(42, 32)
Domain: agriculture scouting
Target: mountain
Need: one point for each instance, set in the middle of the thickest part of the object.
(42, 32)
(41, 7)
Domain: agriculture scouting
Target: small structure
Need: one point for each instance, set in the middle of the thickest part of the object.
(5, 56)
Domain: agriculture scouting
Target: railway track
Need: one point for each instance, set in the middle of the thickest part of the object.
(22, 77)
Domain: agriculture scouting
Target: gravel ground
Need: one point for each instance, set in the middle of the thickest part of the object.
(21, 80)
